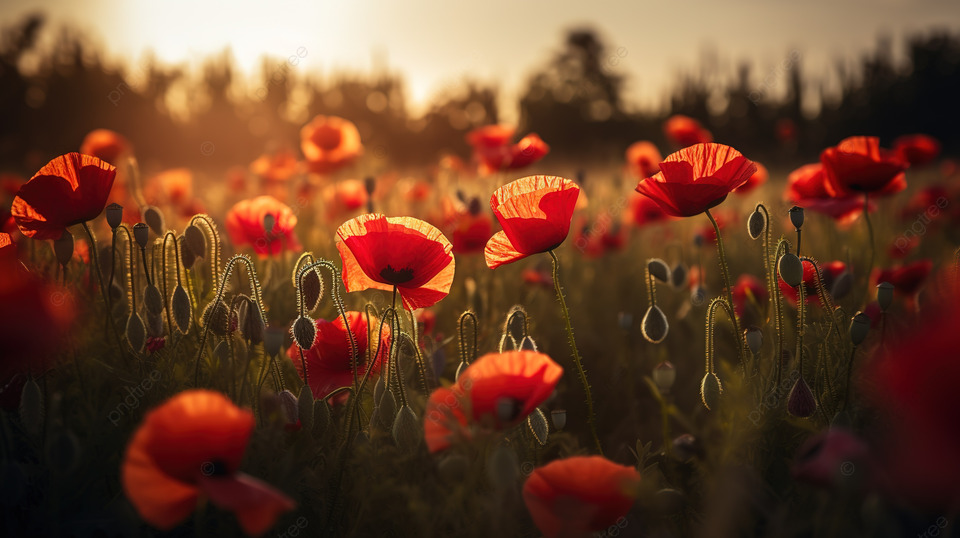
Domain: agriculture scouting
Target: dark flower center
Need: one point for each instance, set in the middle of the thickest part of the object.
(395, 276)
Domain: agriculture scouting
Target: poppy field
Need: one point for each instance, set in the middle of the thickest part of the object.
(679, 340)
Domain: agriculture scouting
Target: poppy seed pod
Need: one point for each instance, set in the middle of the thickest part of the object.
(370, 184)
(791, 269)
(654, 325)
(217, 318)
(754, 337)
(251, 325)
(154, 219)
(756, 224)
(659, 269)
(114, 215)
(664, 375)
(195, 240)
(884, 295)
(859, 327)
(141, 232)
(153, 299)
(796, 216)
(710, 391)
(559, 418)
(63, 248)
(304, 332)
(801, 402)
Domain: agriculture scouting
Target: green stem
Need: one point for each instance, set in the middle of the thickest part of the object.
(576, 353)
(726, 284)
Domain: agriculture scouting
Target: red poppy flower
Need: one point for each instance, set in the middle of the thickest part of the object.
(427, 319)
(685, 131)
(644, 210)
(527, 151)
(786, 130)
(191, 447)
(381, 253)
(914, 384)
(329, 363)
(859, 165)
(926, 205)
(244, 224)
(68, 190)
(579, 495)
(344, 197)
(588, 239)
(758, 178)
(916, 149)
(472, 231)
(828, 272)
(697, 178)
(748, 290)
(643, 159)
(8, 251)
(329, 143)
(535, 214)
(278, 166)
(496, 391)
(906, 279)
(806, 187)
(490, 136)
(174, 187)
(105, 145)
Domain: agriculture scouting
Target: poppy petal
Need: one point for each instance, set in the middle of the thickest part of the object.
(500, 251)
(160, 499)
(255, 504)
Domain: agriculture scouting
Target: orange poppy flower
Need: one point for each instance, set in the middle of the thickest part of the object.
(579, 495)
(535, 214)
(859, 165)
(244, 225)
(279, 166)
(758, 178)
(685, 131)
(697, 178)
(329, 363)
(105, 145)
(643, 159)
(497, 391)
(329, 143)
(527, 151)
(916, 149)
(490, 136)
(380, 252)
(192, 446)
(68, 190)
(174, 186)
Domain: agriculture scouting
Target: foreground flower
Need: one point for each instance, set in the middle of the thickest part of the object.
(697, 178)
(859, 165)
(329, 362)
(535, 214)
(68, 190)
(245, 225)
(405, 253)
(191, 447)
(643, 159)
(579, 495)
(496, 392)
(329, 143)
(685, 131)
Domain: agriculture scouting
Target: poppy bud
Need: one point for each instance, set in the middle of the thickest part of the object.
(141, 232)
(31, 407)
(251, 323)
(507, 343)
(153, 299)
(698, 240)
(273, 341)
(859, 327)
(678, 276)
(114, 215)
(842, 285)
(664, 375)
(311, 286)
(388, 409)
(654, 325)
(710, 390)
(304, 332)
(406, 429)
(791, 269)
(216, 317)
(154, 219)
(884, 295)
(686, 447)
(698, 295)
(289, 407)
(269, 221)
(754, 337)
(305, 408)
(559, 418)
(527, 344)
(135, 332)
(182, 309)
(154, 325)
(757, 223)
(796, 216)
(460, 368)
(195, 240)
(503, 467)
(378, 389)
(187, 257)
(659, 269)
(537, 422)
(63, 248)
(801, 402)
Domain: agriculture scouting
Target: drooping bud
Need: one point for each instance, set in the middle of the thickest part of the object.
(216, 317)
(884, 295)
(195, 240)
(791, 269)
(654, 326)
(507, 342)
(311, 285)
(187, 257)
(686, 447)
(388, 409)
(153, 299)
(859, 327)
(537, 422)
(289, 408)
(141, 233)
(182, 309)
(304, 332)
(250, 322)
(63, 247)
(664, 375)
(796, 216)
(154, 219)
(135, 332)
(801, 402)
(114, 215)
(710, 391)
(754, 337)
(659, 269)
(757, 223)
(407, 433)
(678, 276)
(559, 418)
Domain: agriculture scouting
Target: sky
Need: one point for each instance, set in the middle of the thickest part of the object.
(435, 44)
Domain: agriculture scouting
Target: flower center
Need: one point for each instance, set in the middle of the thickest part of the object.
(327, 137)
(394, 276)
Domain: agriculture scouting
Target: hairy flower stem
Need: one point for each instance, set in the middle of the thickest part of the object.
(103, 290)
(726, 284)
(576, 353)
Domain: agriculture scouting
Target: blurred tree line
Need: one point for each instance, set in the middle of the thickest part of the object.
(575, 102)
